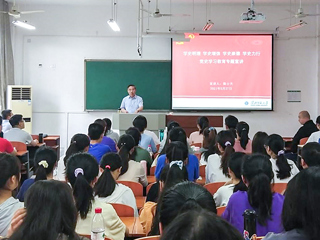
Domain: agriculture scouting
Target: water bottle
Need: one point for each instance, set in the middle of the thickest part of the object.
(97, 226)
(250, 224)
(161, 134)
(149, 149)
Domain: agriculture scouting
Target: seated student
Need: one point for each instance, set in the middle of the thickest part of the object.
(16, 134)
(82, 172)
(131, 170)
(9, 181)
(97, 149)
(191, 162)
(258, 142)
(109, 133)
(170, 176)
(310, 155)
(243, 142)
(257, 175)
(106, 140)
(283, 169)
(5, 145)
(231, 123)
(197, 137)
(209, 144)
(139, 153)
(217, 164)
(45, 161)
(195, 225)
(221, 197)
(140, 122)
(315, 137)
(49, 214)
(6, 115)
(181, 198)
(300, 213)
(107, 189)
(170, 125)
(79, 143)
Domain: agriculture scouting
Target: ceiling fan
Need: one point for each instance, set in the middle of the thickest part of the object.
(14, 12)
(158, 14)
(301, 14)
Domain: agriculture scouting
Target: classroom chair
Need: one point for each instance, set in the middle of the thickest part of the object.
(148, 187)
(303, 141)
(123, 210)
(220, 210)
(136, 188)
(23, 155)
(202, 171)
(213, 187)
(152, 170)
(279, 187)
(196, 144)
(149, 238)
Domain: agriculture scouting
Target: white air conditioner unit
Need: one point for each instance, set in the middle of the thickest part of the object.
(19, 100)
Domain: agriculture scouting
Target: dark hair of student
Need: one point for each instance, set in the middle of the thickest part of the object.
(258, 142)
(231, 121)
(9, 166)
(243, 131)
(135, 133)
(235, 164)
(6, 113)
(95, 130)
(78, 143)
(125, 144)
(108, 123)
(50, 212)
(318, 120)
(175, 134)
(177, 151)
(140, 122)
(226, 141)
(257, 171)
(203, 123)
(301, 207)
(131, 85)
(82, 169)
(310, 153)
(209, 142)
(103, 124)
(182, 198)
(15, 120)
(276, 145)
(0, 121)
(106, 184)
(195, 225)
(45, 160)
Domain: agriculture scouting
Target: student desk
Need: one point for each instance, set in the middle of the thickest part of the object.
(134, 226)
(287, 142)
(52, 141)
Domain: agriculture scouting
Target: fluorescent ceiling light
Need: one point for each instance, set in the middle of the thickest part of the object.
(23, 25)
(297, 25)
(112, 23)
(208, 25)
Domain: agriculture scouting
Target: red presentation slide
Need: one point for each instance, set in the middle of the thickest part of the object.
(222, 72)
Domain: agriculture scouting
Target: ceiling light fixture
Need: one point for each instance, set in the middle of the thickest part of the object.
(208, 25)
(113, 21)
(297, 25)
(24, 24)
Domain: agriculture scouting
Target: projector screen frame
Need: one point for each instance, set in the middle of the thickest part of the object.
(229, 109)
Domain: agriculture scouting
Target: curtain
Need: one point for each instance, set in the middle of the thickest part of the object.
(6, 59)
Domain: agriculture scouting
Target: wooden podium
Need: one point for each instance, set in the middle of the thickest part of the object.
(123, 121)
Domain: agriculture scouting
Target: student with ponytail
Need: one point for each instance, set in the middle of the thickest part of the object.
(79, 143)
(209, 144)
(243, 142)
(197, 137)
(257, 175)
(131, 170)
(82, 172)
(45, 161)
(107, 189)
(284, 169)
(221, 197)
(9, 181)
(217, 166)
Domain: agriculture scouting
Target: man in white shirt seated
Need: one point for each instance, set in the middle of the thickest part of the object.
(16, 134)
(6, 115)
(315, 137)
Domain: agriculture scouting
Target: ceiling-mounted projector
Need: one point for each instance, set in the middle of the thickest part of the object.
(252, 16)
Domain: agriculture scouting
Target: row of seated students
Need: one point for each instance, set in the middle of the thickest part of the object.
(91, 190)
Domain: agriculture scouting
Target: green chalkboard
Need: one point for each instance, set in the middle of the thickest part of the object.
(106, 83)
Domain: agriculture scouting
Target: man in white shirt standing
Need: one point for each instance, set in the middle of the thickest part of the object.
(132, 103)
(6, 115)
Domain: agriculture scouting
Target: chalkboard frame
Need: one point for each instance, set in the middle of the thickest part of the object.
(169, 90)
